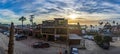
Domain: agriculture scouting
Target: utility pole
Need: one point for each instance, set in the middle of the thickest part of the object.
(11, 40)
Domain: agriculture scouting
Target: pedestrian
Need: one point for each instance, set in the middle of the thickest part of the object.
(66, 52)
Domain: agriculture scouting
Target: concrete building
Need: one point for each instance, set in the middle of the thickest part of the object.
(55, 30)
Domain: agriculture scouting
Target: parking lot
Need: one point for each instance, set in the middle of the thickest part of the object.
(53, 49)
(25, 47)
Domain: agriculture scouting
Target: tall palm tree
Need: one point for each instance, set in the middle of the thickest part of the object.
(31, 19)
(22, 19)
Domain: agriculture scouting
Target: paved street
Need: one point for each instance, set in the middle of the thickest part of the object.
(24, 47)
(92, 48)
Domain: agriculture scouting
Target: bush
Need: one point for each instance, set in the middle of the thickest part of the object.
(107, 39)
(98, 39)
(103, 41)
(39, 36)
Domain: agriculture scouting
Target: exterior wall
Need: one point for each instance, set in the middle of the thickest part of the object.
(55, 29)
(75, 31)
(74, 42)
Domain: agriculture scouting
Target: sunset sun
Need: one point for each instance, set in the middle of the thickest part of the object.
(72, 16)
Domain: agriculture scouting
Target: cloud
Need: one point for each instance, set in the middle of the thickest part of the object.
(49, 6)
(46, 9)
(8, 13)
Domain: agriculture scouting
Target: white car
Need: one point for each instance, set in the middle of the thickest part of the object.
(6, 33)
(85, 37)
(90, 37)
(74, 51)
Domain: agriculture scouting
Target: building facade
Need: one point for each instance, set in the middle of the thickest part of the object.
(55, 30)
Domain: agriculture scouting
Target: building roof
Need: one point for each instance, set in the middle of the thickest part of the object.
(74, 36)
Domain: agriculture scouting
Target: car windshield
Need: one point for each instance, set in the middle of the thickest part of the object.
(36, 43)
(75, 50)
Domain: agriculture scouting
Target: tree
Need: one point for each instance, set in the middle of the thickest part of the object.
(107, 25)
(34, 24)
(101, 23)
(31, 19)
(22, 19)
(11, 40)
(117, 23)
(113, 22)
(91, 26)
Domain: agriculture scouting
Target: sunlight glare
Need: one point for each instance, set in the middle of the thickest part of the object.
(72, 16)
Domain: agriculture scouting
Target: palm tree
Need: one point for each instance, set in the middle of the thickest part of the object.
(91, 26)
(113, 22)
(117, 23)
(22, 19)
(86, 27)
(31, 19)
(100, 23)
(107, 25)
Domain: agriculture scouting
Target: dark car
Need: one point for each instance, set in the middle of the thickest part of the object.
(40, 45)
(46, 45)
(20, 37)
(37, 44)
(105, 45)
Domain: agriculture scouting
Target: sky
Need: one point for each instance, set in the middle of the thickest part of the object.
(86, 11)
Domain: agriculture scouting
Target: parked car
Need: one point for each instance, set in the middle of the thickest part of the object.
(89, 37)
(15, 35)
(40, 45)
(20, 37)
(85, 37)
(74, 51)
(6, 33)
(105, 45)
(2, 31)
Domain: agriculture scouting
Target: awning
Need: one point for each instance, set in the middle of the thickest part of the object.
(74, 36)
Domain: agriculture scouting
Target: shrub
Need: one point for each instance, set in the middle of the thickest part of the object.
(39, 36)
(98, 39)
(107, 39)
